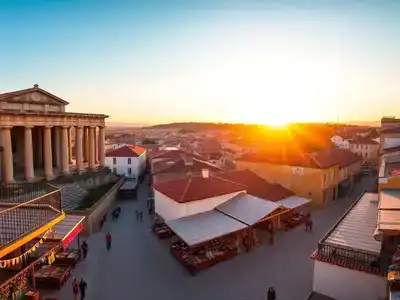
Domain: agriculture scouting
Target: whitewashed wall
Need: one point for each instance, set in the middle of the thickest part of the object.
(346, 284)
(169, 209)
(138, 164)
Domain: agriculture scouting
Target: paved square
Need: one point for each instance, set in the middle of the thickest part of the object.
(139, 266)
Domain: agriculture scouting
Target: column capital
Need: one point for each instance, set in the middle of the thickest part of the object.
(29, 126)
(78, 126)
(102, 126)
(48, 126)
(6, 127)
(65, 127)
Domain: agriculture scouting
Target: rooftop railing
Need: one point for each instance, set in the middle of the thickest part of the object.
(25, 207)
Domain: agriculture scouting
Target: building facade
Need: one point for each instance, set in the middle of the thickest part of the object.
(36, 136)
(367, 148)
(128, 161)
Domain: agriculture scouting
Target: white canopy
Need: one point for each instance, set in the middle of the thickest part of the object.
(247, 208)
(293, 202)
(203, 227)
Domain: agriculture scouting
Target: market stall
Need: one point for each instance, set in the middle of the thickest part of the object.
(161, 230)
(204, 239)
(255, 212)
(64, 233)
(297, 211)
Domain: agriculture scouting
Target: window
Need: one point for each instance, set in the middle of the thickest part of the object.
(114, 160)
(129, 160)
(115, 170)
(129, 171)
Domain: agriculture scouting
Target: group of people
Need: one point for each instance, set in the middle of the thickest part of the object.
(79, 287)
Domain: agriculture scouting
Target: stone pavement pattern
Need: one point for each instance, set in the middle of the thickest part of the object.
(139, 266)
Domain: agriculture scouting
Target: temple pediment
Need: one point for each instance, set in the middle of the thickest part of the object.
(33, 99)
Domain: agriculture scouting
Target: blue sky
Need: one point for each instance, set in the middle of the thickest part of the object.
(197, 60)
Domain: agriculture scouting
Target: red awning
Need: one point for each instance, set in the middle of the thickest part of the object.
(68, 229)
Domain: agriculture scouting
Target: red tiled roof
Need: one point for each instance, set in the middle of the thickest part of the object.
(363, 141)
(179, 166)
(257, 186)
(5, 96)
(175, 154)
(126, 151)
(197, 188)
(345, 263)
(330, 157)
(289, 159)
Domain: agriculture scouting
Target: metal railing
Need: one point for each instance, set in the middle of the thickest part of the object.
(23, 192)
(26, 207)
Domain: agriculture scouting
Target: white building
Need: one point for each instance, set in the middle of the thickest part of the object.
(346, 263)
(340, 142)
(367, 148)
(128, 160)
(184, 197)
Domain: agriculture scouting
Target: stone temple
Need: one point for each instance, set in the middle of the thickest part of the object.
(37, 137)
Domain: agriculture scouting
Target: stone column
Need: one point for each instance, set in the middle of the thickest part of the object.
(64, 151)
(7, 161)
(57, 143)
(78, 148)
(102, 138)
(70, 161)
(96, 146)
(85, 144)
(29, 173)
(91, 148)
(39, 145)
(48, 155)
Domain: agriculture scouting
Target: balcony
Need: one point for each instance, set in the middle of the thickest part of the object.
(351, 243)
(26, 211)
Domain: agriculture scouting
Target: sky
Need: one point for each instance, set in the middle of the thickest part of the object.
(253, 61)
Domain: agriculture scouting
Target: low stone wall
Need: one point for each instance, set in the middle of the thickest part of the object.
(96, 212)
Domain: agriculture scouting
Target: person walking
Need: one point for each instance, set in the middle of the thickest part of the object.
(108, 241)
(271, 295)
(85, 249)
(141, 216)
(75, 288)
(83, 287)
(137, 215)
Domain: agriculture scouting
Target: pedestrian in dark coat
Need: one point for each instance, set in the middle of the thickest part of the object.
(108, 241)
(85, 249)
(83, 287)
(271, 295)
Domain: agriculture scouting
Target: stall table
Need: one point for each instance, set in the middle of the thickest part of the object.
(294, 220)
(68, 257)
(52, 276)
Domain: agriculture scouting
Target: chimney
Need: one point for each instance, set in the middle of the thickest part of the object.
(188, 159)
(36, 85)
(205, 173)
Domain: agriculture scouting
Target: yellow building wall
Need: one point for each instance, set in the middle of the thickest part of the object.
(309, 185)
(392, 183)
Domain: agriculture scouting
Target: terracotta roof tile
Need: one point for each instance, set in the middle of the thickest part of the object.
(290, 159)
(179, 166)
(174, 154)
(257, 186)
(126, 151)
(332, 156)
(197, 188)
(363, 141)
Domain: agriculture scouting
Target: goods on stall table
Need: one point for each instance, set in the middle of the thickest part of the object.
(162, 230)
(68, 257)
(52, 276)
(209, 254)
(295, 219)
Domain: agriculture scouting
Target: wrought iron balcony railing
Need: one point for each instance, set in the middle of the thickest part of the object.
(25, 207)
